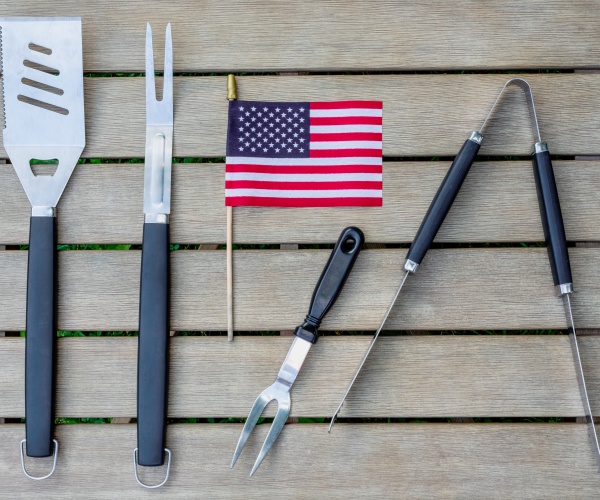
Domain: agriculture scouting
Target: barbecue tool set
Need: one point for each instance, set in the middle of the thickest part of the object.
(42, 82)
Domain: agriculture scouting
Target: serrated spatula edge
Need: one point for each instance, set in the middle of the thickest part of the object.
(2, 110)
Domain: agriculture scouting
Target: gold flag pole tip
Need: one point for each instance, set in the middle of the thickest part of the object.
(231, 88)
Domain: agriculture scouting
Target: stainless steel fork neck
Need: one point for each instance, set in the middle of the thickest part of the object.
(523, 85)
(293, 361)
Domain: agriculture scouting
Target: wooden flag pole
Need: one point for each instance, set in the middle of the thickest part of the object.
(230, 273)
(231, 96)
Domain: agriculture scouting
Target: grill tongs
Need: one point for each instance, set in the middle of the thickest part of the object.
(552, 222)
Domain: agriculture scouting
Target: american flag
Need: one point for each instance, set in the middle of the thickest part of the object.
(304, 154)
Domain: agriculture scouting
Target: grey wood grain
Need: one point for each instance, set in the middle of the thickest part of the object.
(423, 115)
(461, 289)
(365, 461)
(314, 35)
(497, 203)
(477, 376)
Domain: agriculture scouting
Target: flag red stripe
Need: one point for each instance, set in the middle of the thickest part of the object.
(349, 136)
(235, 201)
(325, 169)
(347, 120)
(340, 153)
(292, 186)
(347, 104)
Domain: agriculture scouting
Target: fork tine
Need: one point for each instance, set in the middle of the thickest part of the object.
(258, 407)
(150, 87)
(283, 412)
(168, 78)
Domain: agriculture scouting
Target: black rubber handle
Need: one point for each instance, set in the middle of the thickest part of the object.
(445, 196)
(330, 284)
(40, 341)
(153, 345)
(552, 221)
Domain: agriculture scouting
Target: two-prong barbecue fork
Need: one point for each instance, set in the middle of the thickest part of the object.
(326, 292)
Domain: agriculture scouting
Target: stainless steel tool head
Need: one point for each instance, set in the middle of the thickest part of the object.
(159, 133)
(42, 77)
(280, 392)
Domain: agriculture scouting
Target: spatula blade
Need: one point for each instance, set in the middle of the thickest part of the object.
(42, 95)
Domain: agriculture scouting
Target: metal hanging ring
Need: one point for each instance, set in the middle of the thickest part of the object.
(135, 470)
(54, 454)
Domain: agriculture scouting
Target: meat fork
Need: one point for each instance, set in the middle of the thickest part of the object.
(153, 350)
(326, 292)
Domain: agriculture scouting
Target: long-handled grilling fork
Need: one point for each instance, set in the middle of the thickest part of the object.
(326, 292)
(552, 222)
(153, 352)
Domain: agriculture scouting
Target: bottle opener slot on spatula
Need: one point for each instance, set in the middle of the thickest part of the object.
(42, 82)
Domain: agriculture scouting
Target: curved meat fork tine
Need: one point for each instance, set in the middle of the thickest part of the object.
(279, 392)
(283, 411)
(258, 407)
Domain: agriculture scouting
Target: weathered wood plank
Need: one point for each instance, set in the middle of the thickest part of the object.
(497, 203)
(334, 36)
(496, 376)
(424, 115)
(366, 461)
(507, 288)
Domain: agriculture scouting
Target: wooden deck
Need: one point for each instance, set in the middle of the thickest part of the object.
(438, 67)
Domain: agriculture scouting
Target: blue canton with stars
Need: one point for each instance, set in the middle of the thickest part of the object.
(269, 129)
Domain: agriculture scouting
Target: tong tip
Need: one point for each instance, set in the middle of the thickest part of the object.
(337, 412)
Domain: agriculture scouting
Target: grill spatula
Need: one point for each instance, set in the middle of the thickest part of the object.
(42, 78)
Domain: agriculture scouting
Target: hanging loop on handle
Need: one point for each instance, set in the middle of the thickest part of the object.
(54, 455)
(135, 470)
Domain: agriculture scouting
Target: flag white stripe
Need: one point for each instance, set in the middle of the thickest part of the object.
(254, 176)
(303, 162)
(313, 193)
(340, 129)
(346, 145)
(331, 113)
